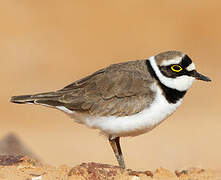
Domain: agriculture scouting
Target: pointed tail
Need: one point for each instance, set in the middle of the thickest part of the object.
(22, 99)
(49, 99)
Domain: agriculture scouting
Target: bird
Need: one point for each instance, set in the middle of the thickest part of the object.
(124, 99)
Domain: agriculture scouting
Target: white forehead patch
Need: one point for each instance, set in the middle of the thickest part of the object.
(176, 60)
(181, 83)
(191, 67)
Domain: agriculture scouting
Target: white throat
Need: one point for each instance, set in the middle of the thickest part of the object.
(181, 83)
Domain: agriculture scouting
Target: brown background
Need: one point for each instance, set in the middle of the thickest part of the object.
(46, 44)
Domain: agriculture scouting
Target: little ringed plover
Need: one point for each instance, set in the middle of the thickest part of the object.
(125, 99)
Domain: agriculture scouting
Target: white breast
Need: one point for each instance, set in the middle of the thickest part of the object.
(135, 124)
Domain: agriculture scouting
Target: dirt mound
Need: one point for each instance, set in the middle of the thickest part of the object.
(25, 168)
(11, 144)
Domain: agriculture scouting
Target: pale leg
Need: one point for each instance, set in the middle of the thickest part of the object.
(115, 144)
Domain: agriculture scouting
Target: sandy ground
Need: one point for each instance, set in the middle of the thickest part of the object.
(18, 162)
(45, 45)
(25, 168)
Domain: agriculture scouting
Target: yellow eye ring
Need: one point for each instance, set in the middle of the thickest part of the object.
(176, 68)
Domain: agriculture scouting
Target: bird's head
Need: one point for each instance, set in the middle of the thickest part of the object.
(176, 70)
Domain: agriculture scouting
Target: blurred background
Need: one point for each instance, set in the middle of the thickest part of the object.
(45, 45)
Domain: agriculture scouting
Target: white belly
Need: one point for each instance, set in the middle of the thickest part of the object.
(132, 125)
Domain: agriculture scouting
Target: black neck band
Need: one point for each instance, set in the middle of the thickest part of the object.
(172, 95)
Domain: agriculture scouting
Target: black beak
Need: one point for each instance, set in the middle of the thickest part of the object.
(199, 76)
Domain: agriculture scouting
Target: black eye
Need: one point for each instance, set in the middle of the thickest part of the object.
(176, 68)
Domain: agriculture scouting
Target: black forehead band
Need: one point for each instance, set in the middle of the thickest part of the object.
(186, 61)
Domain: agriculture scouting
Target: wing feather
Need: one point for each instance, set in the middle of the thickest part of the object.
(111, 91)
(120, 90)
